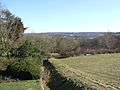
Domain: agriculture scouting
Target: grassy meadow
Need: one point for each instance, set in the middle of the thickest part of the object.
(21, 85)
(97, 71)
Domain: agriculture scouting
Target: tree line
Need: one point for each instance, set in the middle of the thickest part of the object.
(61, 47)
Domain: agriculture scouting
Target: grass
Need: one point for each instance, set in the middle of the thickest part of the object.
(21, 85)
(98, 71)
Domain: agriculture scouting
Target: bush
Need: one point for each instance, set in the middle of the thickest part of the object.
(27, 49)
(24, 69)
(4, 53)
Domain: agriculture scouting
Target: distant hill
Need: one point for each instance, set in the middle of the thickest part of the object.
(76, 34)
(73, 34)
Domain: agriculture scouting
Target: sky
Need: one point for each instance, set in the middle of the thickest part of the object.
(66, 15)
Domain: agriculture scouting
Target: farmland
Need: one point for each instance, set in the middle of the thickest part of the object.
(62, 45)
(98, 71)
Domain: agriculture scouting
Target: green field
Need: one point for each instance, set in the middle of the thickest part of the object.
(98, 71)
(21, 85)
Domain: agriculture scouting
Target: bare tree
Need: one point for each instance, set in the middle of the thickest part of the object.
(110, 40)
(11, 30)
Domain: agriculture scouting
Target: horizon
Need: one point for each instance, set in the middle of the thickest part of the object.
(67, 15)
(66, 32)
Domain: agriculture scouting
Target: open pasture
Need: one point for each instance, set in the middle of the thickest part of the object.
(98, 71)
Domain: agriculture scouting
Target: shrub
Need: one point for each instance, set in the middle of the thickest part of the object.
(38, 58)
(4, 53)
(27, 49)
(24, 69)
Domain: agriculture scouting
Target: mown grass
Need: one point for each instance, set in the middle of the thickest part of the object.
(21, 85)
(97, 71)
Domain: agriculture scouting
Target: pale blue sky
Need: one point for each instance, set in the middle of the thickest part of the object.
(67, 15)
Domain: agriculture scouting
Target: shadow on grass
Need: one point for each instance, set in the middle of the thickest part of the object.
(13, 75)
(58, 82)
